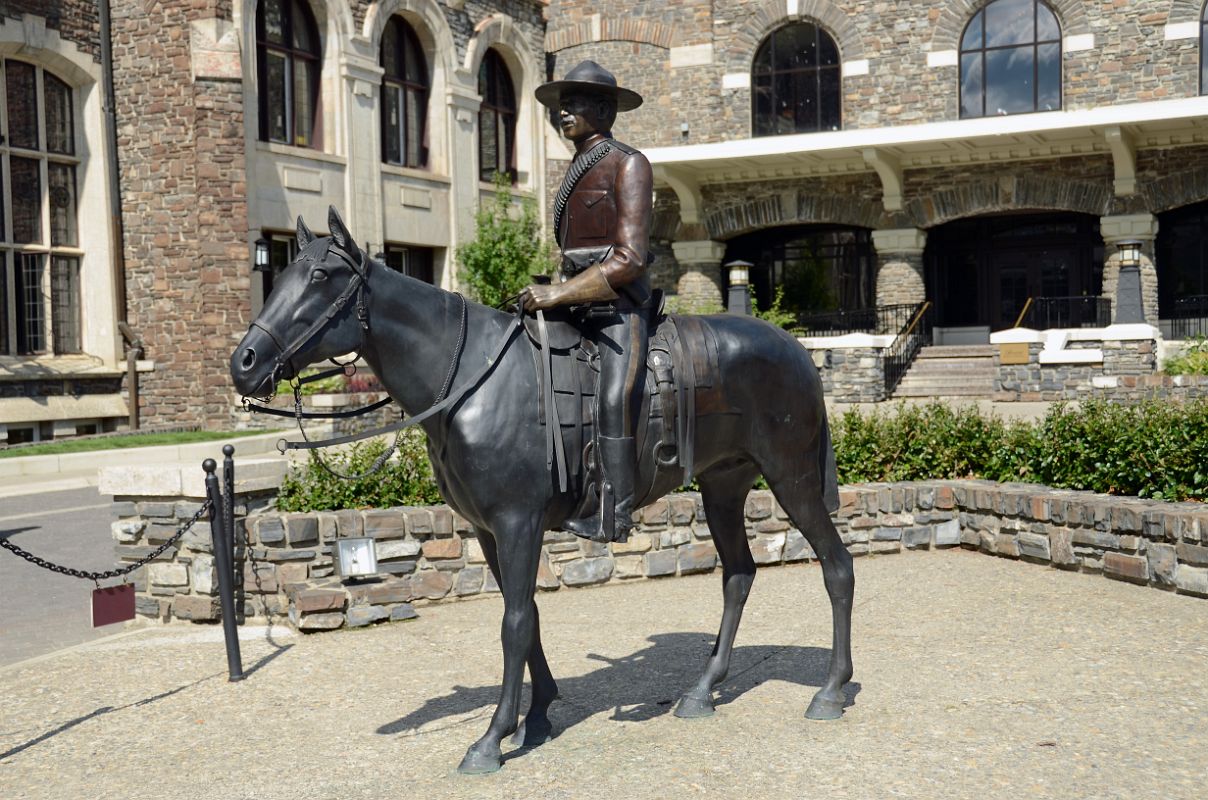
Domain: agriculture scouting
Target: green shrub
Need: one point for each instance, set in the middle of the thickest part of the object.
(405, 480)
(776, 313)
(1192, 361)
(507, 250)
(331, 385)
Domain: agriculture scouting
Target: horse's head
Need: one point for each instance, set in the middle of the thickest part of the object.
(310, 314)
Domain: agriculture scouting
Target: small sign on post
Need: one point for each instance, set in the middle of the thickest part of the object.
(112, 604)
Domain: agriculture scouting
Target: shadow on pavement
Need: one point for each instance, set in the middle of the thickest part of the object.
(642, 685)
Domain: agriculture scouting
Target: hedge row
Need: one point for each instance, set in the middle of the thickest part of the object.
(1152, 449)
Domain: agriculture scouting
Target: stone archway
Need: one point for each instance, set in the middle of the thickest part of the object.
(956, 14)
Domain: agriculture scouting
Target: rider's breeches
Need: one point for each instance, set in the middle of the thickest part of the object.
(621, 339)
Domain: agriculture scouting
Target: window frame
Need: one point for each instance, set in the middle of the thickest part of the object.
(494, 70)
(1203, 41)
(982, 49)
(53, 336)
(816, 73)
(408, 129)
(313, 61)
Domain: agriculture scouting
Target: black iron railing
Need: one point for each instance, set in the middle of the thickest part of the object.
(1044, 313)
(1189, 317)
(878, 320)
(906, 345)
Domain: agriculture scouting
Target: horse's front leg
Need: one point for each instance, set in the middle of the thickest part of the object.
(518, 548)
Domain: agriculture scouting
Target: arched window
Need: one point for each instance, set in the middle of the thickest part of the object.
(288, 57)
(405, 88)
(796, 82)
(496, 119)
(40, 250)
(1011, 60)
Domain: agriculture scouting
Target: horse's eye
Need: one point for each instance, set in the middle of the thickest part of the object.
(318, 276)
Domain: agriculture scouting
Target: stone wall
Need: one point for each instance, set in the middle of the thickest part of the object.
(75, 20)
(1126, 373)
(430, 554)
(852, 375)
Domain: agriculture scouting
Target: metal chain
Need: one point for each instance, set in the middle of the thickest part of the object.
(113, 573)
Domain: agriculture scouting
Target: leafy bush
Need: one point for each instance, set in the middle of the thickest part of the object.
(680, 304)
(332, 385)
(1153, 449)
(506, 252)
(405, 480)
(776, 313)
(1192, 361)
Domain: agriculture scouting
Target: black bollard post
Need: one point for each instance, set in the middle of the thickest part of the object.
(237, 554)
(220, 535)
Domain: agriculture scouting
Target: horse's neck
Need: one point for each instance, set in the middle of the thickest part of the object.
(414, 328)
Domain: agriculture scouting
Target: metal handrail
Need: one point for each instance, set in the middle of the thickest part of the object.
(906, 345)
(918, 316)
(1024, 313)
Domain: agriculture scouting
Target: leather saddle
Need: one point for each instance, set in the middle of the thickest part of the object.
(682, 384)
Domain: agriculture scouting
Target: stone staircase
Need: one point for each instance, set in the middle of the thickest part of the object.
(950, 371)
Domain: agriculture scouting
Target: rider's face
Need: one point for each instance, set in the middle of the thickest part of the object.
(579, 116)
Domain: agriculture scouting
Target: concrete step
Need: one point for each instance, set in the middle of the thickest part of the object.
(943, 391)
(950, 367)
(958, 351)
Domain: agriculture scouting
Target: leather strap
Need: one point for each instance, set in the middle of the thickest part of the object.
(555, 452)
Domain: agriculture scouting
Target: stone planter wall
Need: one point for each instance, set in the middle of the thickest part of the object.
(851, 375)
(430, 555)
(1127, 372)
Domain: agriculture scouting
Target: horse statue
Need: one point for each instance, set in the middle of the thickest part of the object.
(490, 455)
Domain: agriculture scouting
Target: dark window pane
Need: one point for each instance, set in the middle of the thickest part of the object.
(832, 100)
(65, 304)
(1048, 77)
(805, 102)
(277, 73)
(1009, 88)
(416, 70)
(31, 308)
(763, 58)
(1047, 29)
(828, 54)
(300, 24)
(1009, 22)
(22, 104)
(3, 231)
(304, 109)
(4, 346)
(27, 201)
(391, 61)
(63, 230)
(274, 20)
(392, 124)
(971, 85)
(972, 40)
(59, 135)
(762, 99)
(797, 47)
(416, 102)
(784, 97)
(484, 88)
(488, 144)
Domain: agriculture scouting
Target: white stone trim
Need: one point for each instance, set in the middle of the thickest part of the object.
(691, 55)
(1128, 226)
(1078, 43)
(736, 80)
(943, 58)
(1181, 30)
(855, 67)
(899, 240)
(704, 251)
(849, 341)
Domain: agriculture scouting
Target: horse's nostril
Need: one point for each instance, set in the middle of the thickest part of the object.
(249, 358)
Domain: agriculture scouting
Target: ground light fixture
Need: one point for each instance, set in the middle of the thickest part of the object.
(355, 557)
(739, 299)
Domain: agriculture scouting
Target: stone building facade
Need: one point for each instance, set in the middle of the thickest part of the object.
(204, 189)
(907, 191)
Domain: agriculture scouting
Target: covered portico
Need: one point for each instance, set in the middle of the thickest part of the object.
(975, 215)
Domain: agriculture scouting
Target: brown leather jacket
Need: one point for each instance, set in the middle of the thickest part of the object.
(611, 207)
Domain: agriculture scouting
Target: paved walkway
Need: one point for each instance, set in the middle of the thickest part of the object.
(975, 678)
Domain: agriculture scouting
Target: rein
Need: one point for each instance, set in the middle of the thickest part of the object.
(443, 400)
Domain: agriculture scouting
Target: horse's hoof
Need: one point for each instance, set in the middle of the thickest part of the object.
(533, 732)
(824, 708)
(476, 763)
(692, 706)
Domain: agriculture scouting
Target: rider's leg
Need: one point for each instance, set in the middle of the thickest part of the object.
(621, 341)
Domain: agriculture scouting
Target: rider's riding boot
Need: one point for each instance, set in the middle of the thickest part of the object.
(613, 519)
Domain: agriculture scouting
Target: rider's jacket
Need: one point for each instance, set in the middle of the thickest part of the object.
(607, 221)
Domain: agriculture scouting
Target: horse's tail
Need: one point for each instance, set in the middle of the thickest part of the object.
(826, 467)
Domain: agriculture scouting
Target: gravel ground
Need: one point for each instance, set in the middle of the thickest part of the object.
(975, 678)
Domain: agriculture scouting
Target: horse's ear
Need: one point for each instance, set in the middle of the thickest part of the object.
(339, 232)
(305, 236)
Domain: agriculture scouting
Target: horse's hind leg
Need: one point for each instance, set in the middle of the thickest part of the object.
(724, 496)
(801, 496)
(536, 728)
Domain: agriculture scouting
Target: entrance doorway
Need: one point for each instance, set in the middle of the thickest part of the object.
(980, 272)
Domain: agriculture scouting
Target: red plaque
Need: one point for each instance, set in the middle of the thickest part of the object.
(112, 604)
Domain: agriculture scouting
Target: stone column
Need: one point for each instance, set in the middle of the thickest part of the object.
(900, 265)
(363, 180)
(698, 273)
(463, 104)
(1138, 227)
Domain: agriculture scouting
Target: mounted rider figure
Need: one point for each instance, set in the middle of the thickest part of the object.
(602, 224)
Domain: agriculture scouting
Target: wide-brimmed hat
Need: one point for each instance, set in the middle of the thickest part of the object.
(588, 76)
